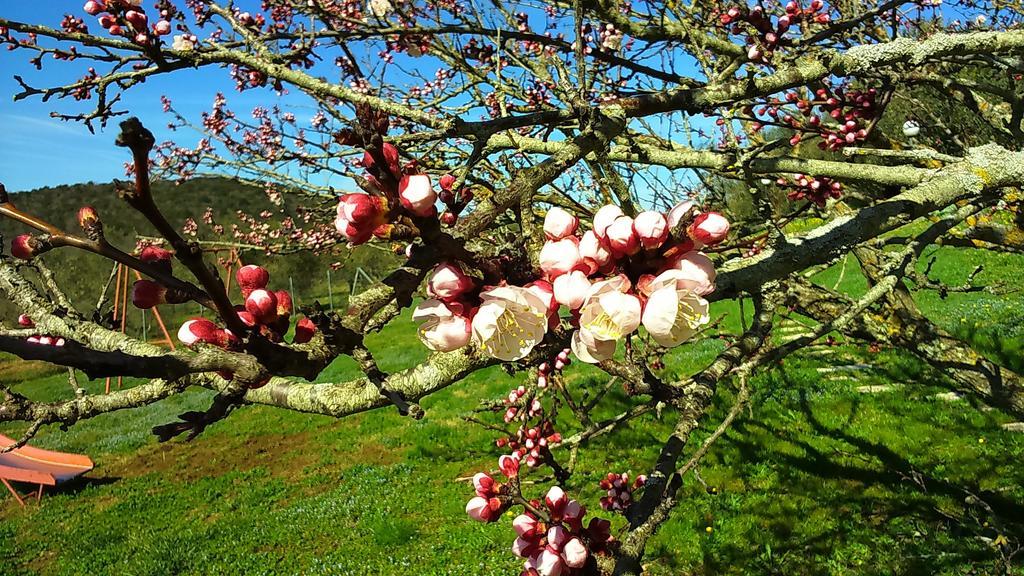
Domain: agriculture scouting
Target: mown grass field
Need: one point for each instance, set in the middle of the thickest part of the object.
(816, 478)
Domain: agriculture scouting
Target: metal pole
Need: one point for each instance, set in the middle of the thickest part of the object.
(291, 290)
(330, 292)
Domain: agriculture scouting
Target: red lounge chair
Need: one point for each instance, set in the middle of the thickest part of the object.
(37, 466)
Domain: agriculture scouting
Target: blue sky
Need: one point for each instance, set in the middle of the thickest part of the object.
(37, 150)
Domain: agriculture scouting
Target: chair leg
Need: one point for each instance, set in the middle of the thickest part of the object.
(39, 494)
(13, 492)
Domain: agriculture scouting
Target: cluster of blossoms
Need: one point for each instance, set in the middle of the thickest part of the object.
(128, 18)
(492, 497)
(264, 311)
(550, 535)
(505, 321)
(531, 444)
(626, 272)
(622, 273)
(26, 322)
(454, 200)
(762, 36)
(545, 370)
(839, 116)
(362, 216)
(618, 490)
(515, 399)
(817, 190)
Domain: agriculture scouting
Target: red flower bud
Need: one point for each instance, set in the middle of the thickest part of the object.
(251, 278)
(199, 330)
(304, 331)
(146, 294)
(137, 19)
(24, 246)
(284, 303)
(87, 217)
(94, 7)
(262, 305)
(25, 322)
(446, 182)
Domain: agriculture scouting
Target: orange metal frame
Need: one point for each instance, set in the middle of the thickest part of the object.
(32, 465)
(121, 290)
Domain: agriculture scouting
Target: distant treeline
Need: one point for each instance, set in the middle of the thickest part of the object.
(83, 275)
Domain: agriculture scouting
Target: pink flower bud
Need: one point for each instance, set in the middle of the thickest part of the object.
(559, 223)
(23, 246)
(549, 563)
(358, 216)
(709, 228)
(262, 305)
(251, 278)
(446, 182)
(483, 484)
(137, 19)
(25, 322)
(575, 553)
(604, 218)
(447, 334)
(524, 525)
(479, 509)
(571, 289)
(146, 294)
(304, 331)
(545, 291)
(198, 330)
(559, 256)
(621, 238)
(593, 249)
(556, 500)
(162, 28)
(509, 466)
(247, 318)
(94, 7)
(158, 257)
(651, 228)
(698, 273)
(359, 209)
(557, 537)
(391, 156)
(678, 212)
(448, 282)
(417, 195)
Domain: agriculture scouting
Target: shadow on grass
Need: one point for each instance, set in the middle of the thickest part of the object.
(887, 495)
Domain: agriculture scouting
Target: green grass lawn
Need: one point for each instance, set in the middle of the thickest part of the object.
(815, 479)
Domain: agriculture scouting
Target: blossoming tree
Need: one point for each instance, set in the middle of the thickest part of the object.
(554, 176)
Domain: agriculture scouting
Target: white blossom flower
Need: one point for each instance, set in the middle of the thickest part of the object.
(511, 320)
(674, 312)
